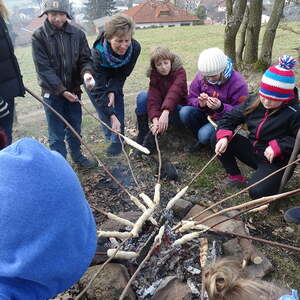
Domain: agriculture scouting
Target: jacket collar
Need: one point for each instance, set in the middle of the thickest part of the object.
(50, 30)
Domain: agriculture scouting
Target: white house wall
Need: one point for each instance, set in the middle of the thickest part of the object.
(171, 24)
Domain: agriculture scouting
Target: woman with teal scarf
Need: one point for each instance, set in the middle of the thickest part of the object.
(115, 53)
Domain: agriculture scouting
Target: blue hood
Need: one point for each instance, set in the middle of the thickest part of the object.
(47, 230)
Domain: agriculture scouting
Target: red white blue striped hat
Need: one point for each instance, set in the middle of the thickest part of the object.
(278, 81)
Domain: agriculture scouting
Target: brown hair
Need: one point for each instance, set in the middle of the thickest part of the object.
(160, 53)
(255, 104)
(118, 24)
(226, 280)
(3, 10)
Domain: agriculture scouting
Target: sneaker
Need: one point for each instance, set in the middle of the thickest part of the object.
(192, 148)
(235, 181)
(84, 162)
(293, 215)
(114, 149)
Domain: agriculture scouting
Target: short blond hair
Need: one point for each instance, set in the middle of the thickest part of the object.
(159, 53)
(225, 280)
(3, 10)
(118, 25)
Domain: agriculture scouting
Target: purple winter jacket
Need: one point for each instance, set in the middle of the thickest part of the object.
(231, 93)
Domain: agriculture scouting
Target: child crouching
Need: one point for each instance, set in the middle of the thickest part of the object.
(273, 120)
(167, 92)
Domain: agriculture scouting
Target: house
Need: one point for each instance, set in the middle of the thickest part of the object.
(160, 14)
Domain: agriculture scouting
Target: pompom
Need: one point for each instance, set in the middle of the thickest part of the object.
(287, 62)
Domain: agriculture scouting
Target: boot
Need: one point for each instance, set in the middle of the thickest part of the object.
(83, 162)
(114, 149)
(143, 128)
(149, 142)
(169, 171)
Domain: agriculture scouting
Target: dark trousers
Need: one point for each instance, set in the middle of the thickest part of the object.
(58, 131)
(6, 123)
(120, 114)
(240, 148)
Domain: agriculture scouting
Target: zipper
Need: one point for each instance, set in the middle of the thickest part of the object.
(259, 128)
(63, 58)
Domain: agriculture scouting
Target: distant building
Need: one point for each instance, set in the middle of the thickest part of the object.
(160, 14)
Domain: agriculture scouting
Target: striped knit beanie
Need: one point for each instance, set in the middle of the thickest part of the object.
(278, 81)
(212, 61)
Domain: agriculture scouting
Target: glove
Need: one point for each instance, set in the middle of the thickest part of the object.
(3, 140)
(89, 80)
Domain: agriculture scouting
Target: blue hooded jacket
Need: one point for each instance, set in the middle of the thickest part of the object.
(47, 230)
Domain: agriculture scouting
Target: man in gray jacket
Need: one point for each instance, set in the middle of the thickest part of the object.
(62, 60)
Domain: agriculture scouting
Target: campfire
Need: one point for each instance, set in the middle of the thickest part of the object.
(174, 254)
(162, 247)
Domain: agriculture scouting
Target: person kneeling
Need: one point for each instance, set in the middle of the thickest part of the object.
(167, 92)
(273, 120)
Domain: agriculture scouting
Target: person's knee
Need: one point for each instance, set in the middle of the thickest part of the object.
(141, 103)
(186, 113)
(204, 135)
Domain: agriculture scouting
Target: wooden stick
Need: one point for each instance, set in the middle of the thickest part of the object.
(79, 138)
(211, 160)
(203, 248)
(100, 269)
(250, 203)
(113, 217)
(127, 139)
(159, 159)
(243, 190)
(129, 164)
(156, 243)
(249, 237)
(275, 244)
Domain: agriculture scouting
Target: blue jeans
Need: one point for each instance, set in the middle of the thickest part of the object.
(141, 108)
(119, 112)
(6, 123)
(197, 122)
(58, 131)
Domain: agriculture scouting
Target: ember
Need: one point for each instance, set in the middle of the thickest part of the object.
(168, 260)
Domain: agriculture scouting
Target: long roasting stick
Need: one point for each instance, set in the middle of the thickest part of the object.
(80, 139)
(100, 269)
(265, 200)
(127, 139)
(245, 189)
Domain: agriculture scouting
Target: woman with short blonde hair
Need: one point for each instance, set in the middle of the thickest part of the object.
(115, 53)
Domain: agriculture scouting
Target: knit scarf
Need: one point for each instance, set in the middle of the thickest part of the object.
(109, 60)
(228, 69)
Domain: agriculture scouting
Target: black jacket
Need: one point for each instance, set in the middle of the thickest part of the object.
(278, 129)
(60, 57)
(11, 84)
(110, 79)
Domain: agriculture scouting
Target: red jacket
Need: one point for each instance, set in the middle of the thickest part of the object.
(166, 92)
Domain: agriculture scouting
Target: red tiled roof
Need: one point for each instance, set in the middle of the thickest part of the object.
(158, 12)
(36, 23)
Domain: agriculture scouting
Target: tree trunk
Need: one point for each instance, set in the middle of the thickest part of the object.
(267, 45)
(130, 3)
(241, 46)
(252, 33)
(234, 16)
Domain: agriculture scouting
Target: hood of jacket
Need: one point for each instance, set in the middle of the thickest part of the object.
(177, 64)
(47, 230)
